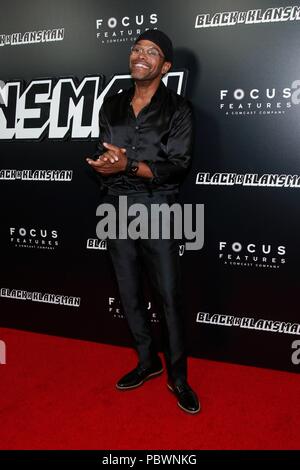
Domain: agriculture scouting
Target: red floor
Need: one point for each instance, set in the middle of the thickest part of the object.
(58, 393)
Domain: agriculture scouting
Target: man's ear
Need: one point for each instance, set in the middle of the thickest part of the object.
(166, 67)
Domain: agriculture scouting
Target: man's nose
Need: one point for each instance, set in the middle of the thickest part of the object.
(142, 52)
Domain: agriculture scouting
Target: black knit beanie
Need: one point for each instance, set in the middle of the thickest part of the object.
(161, 40)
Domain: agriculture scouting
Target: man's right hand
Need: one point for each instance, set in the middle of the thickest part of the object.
(112, 161)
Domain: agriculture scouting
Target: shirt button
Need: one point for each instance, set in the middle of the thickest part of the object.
(133, 147)
(137, 127)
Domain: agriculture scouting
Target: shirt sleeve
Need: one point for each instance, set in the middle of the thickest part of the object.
(178, 149)
(104, 134)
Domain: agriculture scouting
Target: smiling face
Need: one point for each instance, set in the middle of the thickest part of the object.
(144, 66)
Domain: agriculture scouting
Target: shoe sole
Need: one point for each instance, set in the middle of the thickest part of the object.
(154, 374)
(184, 409)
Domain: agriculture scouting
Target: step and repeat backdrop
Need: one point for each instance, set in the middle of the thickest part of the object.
(238, 63)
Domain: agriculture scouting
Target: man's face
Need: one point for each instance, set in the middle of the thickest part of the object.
(145, 66)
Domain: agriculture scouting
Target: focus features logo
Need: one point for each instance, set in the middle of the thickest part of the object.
(259, 101)
(38, 238)
(124, 29)
(115, 309)
(258, 255)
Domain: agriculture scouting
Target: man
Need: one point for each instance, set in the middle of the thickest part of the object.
(144, 153)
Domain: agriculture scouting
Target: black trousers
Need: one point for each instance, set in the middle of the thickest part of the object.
(160, 259)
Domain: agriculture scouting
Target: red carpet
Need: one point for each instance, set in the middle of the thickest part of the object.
(59, 393)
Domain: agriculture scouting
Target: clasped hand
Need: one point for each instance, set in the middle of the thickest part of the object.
(112, 161)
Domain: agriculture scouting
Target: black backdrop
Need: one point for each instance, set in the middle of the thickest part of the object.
(241, 287)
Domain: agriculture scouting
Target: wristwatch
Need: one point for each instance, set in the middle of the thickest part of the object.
(131, 167)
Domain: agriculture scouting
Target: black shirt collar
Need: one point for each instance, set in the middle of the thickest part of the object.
(158, 95)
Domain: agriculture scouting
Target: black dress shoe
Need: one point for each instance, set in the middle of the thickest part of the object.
(187, 398)
(137, 376)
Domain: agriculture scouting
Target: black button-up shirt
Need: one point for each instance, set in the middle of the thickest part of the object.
(161, 136)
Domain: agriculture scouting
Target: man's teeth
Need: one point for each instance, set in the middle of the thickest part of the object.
(141, 65)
